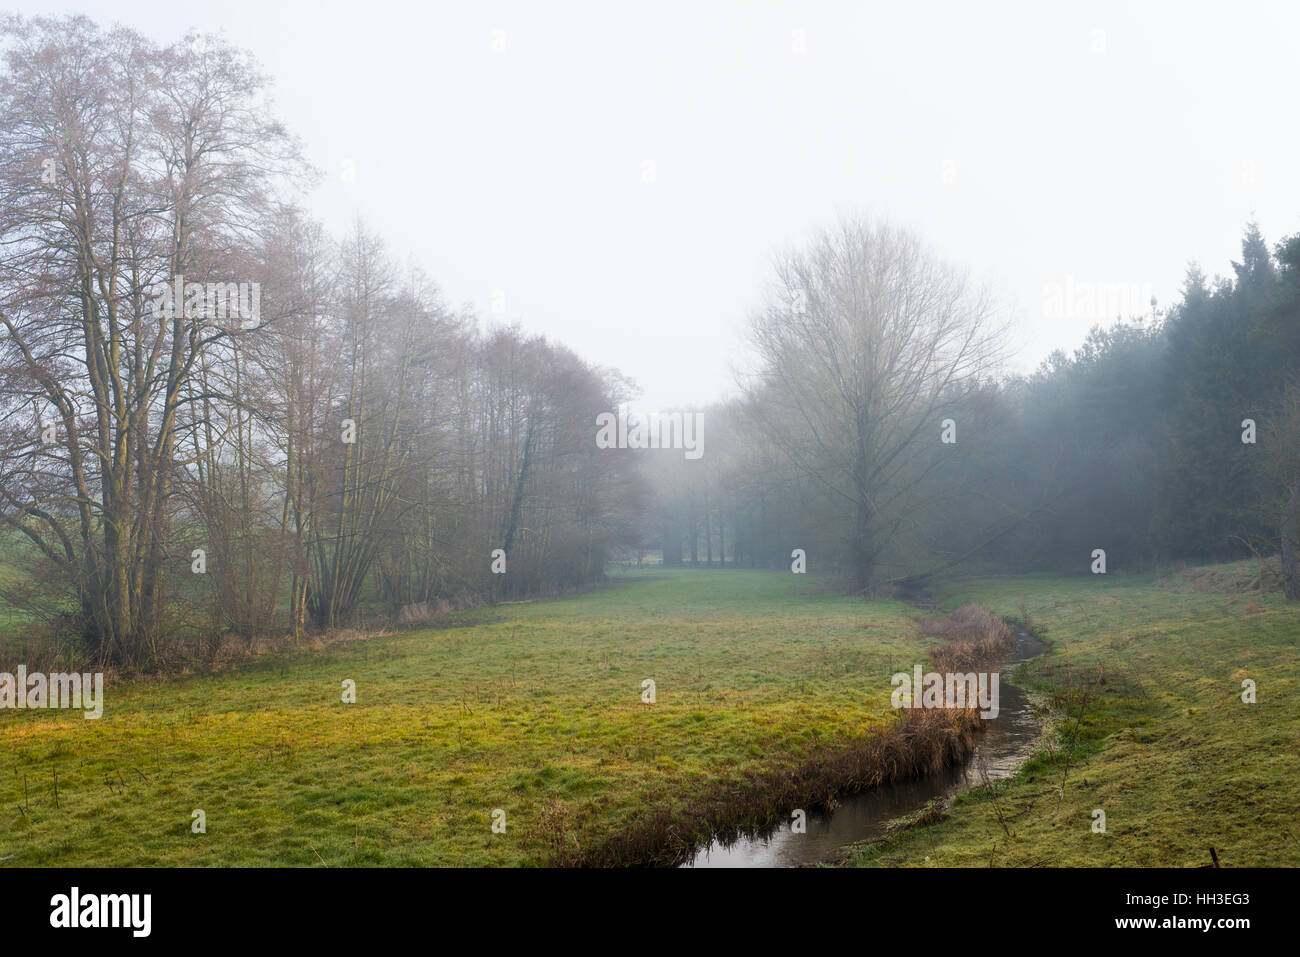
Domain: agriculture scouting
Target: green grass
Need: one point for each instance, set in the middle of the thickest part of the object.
(537, 707)
(16, 555)
(529, 705)
(1170, 753)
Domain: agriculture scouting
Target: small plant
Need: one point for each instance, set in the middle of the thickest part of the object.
(562, 847)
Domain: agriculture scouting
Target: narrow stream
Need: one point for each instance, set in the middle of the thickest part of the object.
(1002, 747)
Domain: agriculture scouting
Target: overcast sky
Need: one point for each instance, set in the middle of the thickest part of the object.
(617, 176)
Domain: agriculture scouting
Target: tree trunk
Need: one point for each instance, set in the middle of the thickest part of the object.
(1290, 573)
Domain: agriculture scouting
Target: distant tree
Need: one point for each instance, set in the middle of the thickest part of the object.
(1281, 504)
(866, 341)
(1219, 371)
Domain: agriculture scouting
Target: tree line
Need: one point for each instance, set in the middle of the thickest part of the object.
(218, 421)
(879, 436)
(215, 419)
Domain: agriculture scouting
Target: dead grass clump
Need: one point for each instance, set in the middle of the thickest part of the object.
(971, 635)
(934, 811)
(1247, 577)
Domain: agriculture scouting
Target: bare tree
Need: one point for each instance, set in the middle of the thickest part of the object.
(122, 166)
(352, 440)
(866, 340)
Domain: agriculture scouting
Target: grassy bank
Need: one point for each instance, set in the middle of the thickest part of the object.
(919, 742)
(1165, 746)
(534, 709)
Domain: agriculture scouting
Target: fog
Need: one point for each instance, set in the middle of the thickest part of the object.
(620, 180)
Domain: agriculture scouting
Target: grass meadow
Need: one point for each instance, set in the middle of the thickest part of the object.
(537, 710)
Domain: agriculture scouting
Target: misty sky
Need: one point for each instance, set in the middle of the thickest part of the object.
(618, 176)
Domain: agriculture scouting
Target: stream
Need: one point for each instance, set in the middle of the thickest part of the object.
(1000, 749)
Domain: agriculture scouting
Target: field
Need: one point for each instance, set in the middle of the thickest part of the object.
(536, 709)
(1168, 750)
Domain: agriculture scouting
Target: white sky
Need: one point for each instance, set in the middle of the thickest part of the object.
(1103, 144)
